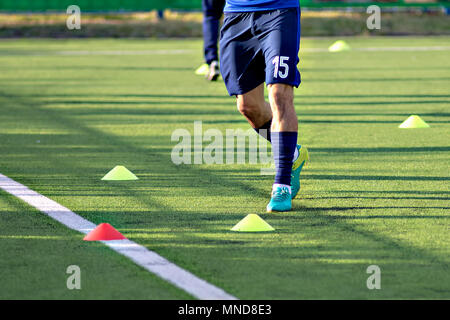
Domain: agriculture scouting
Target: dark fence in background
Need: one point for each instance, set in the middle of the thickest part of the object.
(147, 5)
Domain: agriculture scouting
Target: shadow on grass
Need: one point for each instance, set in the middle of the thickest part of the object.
(299, 94)
(424, 192)
(367, 177)
(380, 79)
(228, 102)
(381, 198)
(342, 208)
(210, 183)
(381, 149)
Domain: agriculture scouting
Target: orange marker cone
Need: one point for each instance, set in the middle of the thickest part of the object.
(104, 231)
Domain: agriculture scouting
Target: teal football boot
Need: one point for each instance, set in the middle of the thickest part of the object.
(281, 200)
(297, 166)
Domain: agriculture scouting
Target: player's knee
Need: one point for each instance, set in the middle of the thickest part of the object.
(247, 107)
(281, 98)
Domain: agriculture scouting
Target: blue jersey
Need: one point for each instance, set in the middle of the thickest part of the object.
(259, 5)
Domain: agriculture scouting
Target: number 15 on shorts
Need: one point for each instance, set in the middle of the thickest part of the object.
(281, 68)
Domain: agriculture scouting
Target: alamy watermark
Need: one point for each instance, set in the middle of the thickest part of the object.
(374, 20)
(73, 22)
(214, 146)
(374, 280)
(74, 280)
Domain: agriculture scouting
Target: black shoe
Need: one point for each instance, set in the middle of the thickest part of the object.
(213, 72)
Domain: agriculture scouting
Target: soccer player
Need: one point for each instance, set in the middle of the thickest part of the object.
(259, 43)
(212, 12)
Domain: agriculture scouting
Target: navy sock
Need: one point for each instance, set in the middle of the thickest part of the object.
(264, 131)
(283, 148)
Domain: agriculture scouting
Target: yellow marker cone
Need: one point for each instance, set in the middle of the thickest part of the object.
(339, 46)
(413, 121)
(252, 223)
(202, 70)
(120, 173)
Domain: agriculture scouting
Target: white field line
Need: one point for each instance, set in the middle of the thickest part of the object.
(148, 259)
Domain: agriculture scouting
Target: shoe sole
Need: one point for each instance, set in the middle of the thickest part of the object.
(213, 78)
(269, 211)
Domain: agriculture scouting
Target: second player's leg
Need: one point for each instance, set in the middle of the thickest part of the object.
(212, 12)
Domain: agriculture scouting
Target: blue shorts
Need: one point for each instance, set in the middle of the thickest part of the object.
(260, 46)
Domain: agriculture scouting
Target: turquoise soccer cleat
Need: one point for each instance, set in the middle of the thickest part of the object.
(281, 200)
(297, 166)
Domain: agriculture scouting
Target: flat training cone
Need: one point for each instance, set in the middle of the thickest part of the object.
(252, 223)
(339, 46)
(413, 121)
(120, 173)
(104, 231)
(202, 70)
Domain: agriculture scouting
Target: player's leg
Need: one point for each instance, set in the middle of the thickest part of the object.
(284, 141)
(280, 48)
(259, 114)
(281, 98)
(242, 67)
(212, 12)
(285, 120)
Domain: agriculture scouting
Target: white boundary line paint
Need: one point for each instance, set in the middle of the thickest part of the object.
(147, 259)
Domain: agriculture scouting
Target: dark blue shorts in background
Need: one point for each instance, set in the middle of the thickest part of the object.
(257, 47)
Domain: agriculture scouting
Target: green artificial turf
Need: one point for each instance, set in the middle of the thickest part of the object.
(36, 252)
(372, 193)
